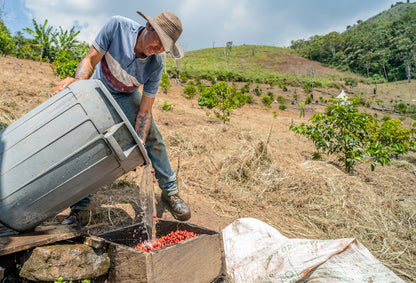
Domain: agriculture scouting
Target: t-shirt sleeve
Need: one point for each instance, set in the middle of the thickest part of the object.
(104, 38)
(152, 85)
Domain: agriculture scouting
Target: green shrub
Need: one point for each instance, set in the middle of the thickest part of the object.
(249, 98)
(282, 107)
(352, 82)
(257, 91)
(222, 98)
(165, 83)
(26, 52)
(183, 78)
(64, 66)
(266, 100)
(307, 88)
(308, 100)
(65, 69)
(281, 99)
(401, 107)
(6, 41)
(166, 106)
(386, 118)
(245, 88)
(189, 91)
(353, 136)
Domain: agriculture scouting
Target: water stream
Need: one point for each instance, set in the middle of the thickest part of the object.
(147, 201)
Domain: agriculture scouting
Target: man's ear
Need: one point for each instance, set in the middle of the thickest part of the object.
(148, 26)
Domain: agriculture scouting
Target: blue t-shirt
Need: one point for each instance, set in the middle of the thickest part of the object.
(120, 70)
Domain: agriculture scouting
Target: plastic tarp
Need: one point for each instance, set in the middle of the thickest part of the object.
(257, 252)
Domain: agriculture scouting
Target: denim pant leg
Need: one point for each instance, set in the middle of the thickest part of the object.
(82, 204)
(156, 149)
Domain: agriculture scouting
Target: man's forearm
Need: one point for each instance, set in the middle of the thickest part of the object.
(84, 69)
(143, 124)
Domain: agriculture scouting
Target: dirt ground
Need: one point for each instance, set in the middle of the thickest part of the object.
(253, 166)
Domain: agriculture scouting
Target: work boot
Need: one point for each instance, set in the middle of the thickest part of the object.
(179, 209)
(77, 217)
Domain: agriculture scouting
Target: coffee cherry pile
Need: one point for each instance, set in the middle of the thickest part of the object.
(169, 239)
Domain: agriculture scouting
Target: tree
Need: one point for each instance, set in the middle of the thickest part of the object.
(23, 46)
(65, 40)
(43, 34)
(6, 41)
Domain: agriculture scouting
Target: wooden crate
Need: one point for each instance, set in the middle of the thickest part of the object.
(199, 259)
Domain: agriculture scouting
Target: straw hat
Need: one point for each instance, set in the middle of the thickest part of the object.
(169, 28)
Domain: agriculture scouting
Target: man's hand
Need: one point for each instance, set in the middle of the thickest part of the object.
(63, 84)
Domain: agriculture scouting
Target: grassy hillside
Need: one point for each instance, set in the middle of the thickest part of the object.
(256, 64)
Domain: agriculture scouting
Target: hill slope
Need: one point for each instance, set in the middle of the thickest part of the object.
(252, 167)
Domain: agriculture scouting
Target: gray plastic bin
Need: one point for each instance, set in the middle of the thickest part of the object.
(63, 150)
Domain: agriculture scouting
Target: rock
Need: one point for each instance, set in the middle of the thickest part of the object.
(71, 262)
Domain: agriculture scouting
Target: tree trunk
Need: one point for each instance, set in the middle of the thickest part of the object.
(385, 72)
(408, 71)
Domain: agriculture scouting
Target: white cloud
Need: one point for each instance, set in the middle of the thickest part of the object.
(268, 22)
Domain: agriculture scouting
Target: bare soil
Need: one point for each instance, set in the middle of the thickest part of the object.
(253, 166)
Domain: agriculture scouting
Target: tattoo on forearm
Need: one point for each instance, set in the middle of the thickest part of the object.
(143, 124)
(83, 71)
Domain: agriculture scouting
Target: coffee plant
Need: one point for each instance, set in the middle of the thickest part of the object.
(222, 98)
(166, 106)
(190, 91)
(165, 83)
(266, 100)
(353, 136)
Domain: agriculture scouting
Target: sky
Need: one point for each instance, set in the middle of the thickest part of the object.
(206, 23)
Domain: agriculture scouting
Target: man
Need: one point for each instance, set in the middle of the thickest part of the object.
(126, 55)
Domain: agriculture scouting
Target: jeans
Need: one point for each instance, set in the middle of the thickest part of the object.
(156, 149)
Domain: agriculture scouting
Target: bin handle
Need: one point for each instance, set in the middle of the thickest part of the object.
(115, 146)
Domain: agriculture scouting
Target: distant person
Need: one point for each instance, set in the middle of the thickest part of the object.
(126, 55)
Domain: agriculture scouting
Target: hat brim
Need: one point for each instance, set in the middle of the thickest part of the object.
(170, 46)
